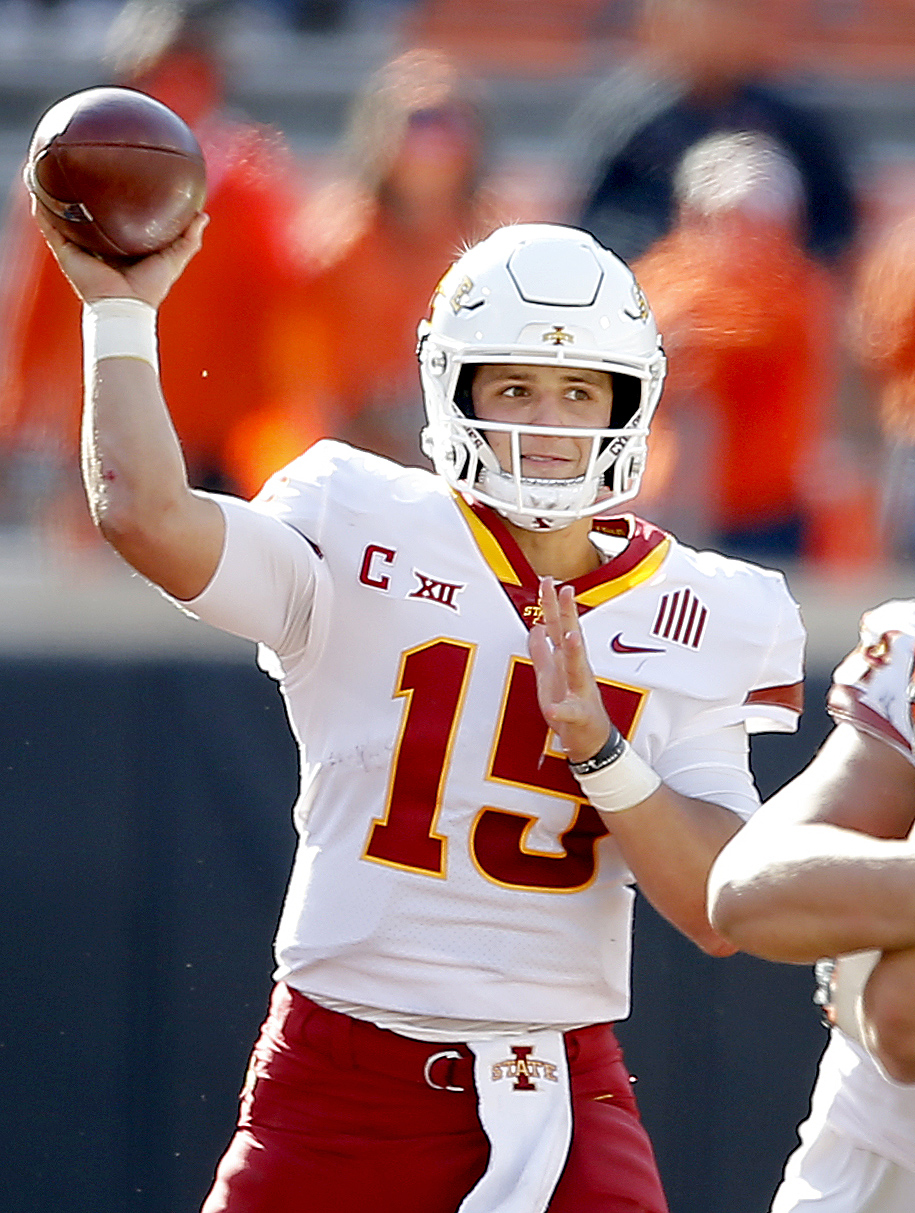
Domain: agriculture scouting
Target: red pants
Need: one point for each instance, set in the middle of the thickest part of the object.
(338, 1116)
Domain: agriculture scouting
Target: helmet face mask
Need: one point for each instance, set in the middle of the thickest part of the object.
(539, 295)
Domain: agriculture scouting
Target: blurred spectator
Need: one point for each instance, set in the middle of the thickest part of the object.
(749, 323)
(703, 66)
(213, 325)
(883, 341)
(372, 245)
(313, 16)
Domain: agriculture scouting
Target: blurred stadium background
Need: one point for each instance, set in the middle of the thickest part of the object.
(141, 885)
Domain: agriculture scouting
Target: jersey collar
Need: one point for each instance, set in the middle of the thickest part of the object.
(645, 551)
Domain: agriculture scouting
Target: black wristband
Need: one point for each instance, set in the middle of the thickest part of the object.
(612, 749)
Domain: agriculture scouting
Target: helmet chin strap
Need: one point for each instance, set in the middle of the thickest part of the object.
(535, 495)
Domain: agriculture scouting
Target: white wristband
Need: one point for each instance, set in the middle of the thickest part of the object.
(624, 783)
(119, 328)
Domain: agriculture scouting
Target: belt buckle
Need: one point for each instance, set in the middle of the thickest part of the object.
(445, 1054)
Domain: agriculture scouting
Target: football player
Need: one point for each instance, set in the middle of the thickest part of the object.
(454, 946)
(827, 869)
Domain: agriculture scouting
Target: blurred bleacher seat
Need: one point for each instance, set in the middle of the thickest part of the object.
(515, 37)
(856, 37)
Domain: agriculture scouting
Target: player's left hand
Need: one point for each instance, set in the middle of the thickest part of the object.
(567, 690)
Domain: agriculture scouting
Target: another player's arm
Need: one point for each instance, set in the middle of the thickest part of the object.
(825, 866)
(133, 468)
(822, 869)
(668, 840)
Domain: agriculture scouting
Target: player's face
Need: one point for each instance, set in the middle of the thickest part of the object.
(543, 396)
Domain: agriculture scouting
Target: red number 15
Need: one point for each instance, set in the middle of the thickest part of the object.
(433, 680)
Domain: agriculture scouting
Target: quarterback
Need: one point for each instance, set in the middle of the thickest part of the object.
(475, 807)
(827, 869)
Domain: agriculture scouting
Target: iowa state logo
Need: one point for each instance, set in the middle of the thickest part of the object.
(524, 1069)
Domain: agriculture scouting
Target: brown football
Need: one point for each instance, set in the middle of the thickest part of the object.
(120, 173)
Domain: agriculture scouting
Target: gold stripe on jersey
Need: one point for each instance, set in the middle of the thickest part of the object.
(488, 545)
(626, 581)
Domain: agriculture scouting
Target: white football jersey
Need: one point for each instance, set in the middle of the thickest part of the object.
(447, 863)
(854, 1097)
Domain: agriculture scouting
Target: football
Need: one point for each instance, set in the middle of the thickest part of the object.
(119, 172)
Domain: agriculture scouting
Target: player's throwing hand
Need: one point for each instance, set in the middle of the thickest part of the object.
(149, 279)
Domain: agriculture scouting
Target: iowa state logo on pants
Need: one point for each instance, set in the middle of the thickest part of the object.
(524, 1069)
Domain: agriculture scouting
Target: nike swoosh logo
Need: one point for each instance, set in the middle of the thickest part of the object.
(619, 647)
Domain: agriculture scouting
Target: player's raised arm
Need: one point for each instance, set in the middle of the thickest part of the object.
(133, 468)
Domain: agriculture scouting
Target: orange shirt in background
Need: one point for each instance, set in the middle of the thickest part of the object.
(883, 324)
(344, 345)
(749, 325)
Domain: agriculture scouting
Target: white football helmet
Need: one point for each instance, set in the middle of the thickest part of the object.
(539, 294)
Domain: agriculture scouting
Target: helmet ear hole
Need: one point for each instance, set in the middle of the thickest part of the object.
(463, 392)
(627, 399)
